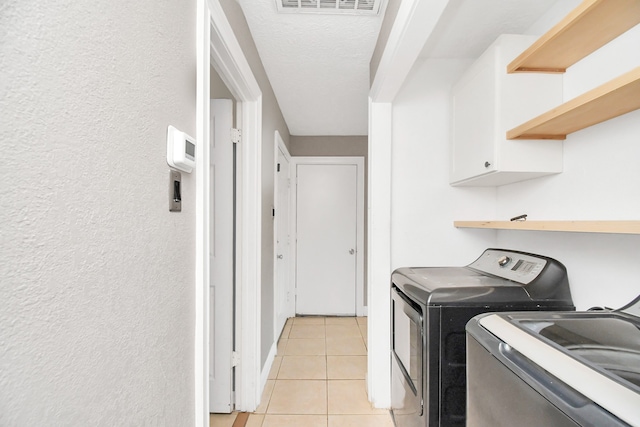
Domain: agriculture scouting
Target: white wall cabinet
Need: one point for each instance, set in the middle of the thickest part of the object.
(486, 102)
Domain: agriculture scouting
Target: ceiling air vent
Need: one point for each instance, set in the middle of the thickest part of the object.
(360, 7)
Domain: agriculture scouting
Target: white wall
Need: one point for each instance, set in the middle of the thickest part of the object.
(97, 276)
(601, 181)
(423, 205)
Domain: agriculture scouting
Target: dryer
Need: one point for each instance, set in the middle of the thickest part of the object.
(430, 307)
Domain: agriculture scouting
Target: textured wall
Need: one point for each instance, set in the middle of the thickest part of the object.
(97, 276)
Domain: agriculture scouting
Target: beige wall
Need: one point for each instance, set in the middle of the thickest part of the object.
(328, 146)
(97, 276)
(219, 90)
(337, 146)
(272, 120)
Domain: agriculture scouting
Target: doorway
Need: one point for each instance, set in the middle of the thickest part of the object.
(329, 235)
(222, 257)
(284, 294)
(218, 48)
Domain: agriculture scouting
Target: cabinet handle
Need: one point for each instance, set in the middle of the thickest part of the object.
(487, 164)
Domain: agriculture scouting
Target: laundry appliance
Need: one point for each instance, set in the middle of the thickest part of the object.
(430, 307)
(554, 369)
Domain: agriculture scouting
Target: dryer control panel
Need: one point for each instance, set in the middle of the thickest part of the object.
(510, 265)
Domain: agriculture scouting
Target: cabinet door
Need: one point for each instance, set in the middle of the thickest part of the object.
(473, 139)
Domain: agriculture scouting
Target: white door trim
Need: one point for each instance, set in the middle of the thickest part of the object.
(279, 145)
(217, 46)
(379, 251)
(413, 25)
(359, 162)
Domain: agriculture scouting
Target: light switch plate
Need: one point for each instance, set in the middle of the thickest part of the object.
(175, 191)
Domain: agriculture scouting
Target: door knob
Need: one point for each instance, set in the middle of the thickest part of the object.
(279, 256)
(352, 251)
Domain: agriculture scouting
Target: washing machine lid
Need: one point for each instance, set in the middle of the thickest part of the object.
(609, 342)
(595, 353)
(495, 267)
(432, 278)
(498, 276)
(458, 285)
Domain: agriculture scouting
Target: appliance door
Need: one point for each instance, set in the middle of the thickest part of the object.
(407, 339)
(526, 374)
(498, 397)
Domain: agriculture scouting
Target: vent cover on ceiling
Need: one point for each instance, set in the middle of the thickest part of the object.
(360, 7)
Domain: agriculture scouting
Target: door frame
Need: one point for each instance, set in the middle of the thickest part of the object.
(279, 145)
(217, 46)
(414, 23)
(358, 161)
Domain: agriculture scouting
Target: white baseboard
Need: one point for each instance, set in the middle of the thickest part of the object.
(267, 366)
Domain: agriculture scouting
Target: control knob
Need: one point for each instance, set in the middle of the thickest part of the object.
(503, 261)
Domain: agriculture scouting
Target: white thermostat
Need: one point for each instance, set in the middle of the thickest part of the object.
(181, 150)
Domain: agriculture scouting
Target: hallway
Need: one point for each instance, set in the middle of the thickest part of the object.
(317, 379)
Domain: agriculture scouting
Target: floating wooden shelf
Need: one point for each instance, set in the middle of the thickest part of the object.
(588, 27)
(612, 227)
(619, 96)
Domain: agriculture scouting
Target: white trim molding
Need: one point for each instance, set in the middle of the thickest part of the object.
(379, 250)
(218, 47)
(202, 261)
(414, 24)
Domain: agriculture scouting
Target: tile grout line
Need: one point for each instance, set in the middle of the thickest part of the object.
(326, 378)
(326, 374)
(241, 419)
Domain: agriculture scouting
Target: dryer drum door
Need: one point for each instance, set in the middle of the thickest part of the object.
(407, 361)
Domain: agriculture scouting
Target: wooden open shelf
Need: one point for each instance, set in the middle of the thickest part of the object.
(619, 96)
(588, 27)
(612, 227)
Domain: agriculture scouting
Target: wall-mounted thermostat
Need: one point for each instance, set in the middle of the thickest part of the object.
(181, 150)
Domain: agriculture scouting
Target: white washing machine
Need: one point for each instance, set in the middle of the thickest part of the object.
(554, 368)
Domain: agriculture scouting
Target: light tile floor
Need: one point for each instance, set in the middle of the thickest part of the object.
(317, 378)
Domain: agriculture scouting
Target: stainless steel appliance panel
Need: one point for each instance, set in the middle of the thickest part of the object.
(407, 360)
(575, 367)
(431, 306)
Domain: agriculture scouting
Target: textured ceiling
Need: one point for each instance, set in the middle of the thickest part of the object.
(468, 27)
(318, 66)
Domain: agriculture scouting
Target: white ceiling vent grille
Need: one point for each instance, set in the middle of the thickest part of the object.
(359, 7)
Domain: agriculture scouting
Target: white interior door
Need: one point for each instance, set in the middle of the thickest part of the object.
(222, 257)
(283, 294)
(326, 233)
